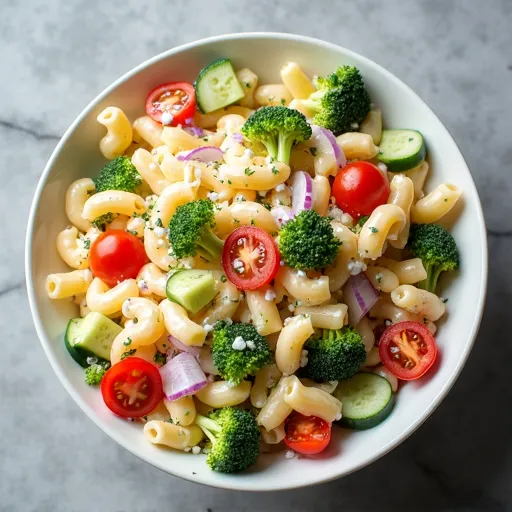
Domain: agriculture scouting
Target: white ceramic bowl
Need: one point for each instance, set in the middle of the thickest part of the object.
(77, 155)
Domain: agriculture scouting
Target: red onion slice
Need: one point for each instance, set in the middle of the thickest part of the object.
(341, 160)
(325, 157)
(182, 376)
(302, 192)
(194, 131)
(204, 154)
(182, 347)
(360, 296)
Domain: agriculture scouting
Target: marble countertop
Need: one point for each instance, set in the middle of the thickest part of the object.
(56, 55)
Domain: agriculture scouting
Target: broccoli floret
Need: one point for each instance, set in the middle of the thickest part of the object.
(190, 231)
(278, 128)
(359, 224)
(307, 242)
(238, 350)
(235, 439)
(340, 101)
(437, 250)
(94, 373)
(119, 174)
(334, 354)
(102, 221)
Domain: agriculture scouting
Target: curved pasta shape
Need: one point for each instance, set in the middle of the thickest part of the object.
(210, 181)
(148, 329)
(263, 380)
(385, 309)
(182, 411)
(172, 196)
(180, 326)
(178, 139)
(296, 81)
(150, 171)
(384, 222)
(338, 272)
(224, 304)
(418, 302)
(71, 249)
(105, 300)
(149, 130)
(254, 177)
(275, 410)
(150, 276)
(119, 132)
(357, 146)
(76, 196)
(264, 313)
(401, 195)
(382, 278)
(365, 330)
(68, 284)
(230, 123)
(311, 401)
(409, 271)
(272, 95)
(120, 222)
(290, 343)
(249, 82)
(321, 195)
(311, 292)
(221, 393)
(173, 436)
(372, 125)
(330, 316)
(274, 436)
(113, 201)
(157, 250)
(436, 204)
(210, 120)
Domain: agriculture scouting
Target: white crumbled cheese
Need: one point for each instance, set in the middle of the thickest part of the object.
(270, 295)
(281, 187)
(250, 344)
(187, 449)
(239, 198)
(290, 454)
(196, 450)
(301, 273)
(228, 321)
(213, 196)
(248, 153)
(206, 451)
(160, 231)
(160, 243)
(388, 323)
(92, 360)
(239, 343)
(347, 220)
(288, 320)
(198, 173)
(142, 284)
(354, 126)
(150, 200)
(338, 417)
(167, 118)
(298, 303)
(394, 350)
(303, 358)
(282, 263)
(262, 193)
(135, 224)
(382, 167)
(291, 307)
(208, 327)
(339, 215)
(238, 265)
(355, 267)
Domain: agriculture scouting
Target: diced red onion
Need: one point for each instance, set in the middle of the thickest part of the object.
(182, 376)
(194, 130)
(237, 137)
(182, 347)
(282, 214)
(204, 154)
(341, 160)
(302, 195)
(360, 296)
(189, 121)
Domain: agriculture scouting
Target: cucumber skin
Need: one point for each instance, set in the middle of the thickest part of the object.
(405, 164)
(201, 75)
(78, 354)
(372, 421)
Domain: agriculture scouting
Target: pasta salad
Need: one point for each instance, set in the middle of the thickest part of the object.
(255, 264)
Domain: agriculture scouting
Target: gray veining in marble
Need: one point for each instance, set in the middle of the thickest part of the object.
(56, 55)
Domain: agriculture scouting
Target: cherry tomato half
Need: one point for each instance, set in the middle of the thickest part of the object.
(132, 388)
(250, 258)
(407, 350)
(176, 98)
(116, 255)
(359, 188)
(306, 434)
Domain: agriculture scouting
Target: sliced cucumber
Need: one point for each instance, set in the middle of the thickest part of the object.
(192, 289)
(91, 336)
(217, 86)
(367, 399)
(401, 150)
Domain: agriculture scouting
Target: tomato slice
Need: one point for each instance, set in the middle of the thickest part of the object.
(407, 350)
(306, 434)
(132, 388)
(177, 100)
(359, 188)
(116, 255)
(250, 258)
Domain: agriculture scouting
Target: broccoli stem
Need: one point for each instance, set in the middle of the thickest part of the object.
(211, 246)
(272, 147)
(430, 283)
(284, 147)
(208, 426)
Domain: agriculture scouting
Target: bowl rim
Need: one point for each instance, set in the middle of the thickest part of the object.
(243, 483)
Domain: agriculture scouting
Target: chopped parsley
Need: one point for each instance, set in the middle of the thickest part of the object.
(248, 85)
(159, 223)
(124, 355)
(159, 358)
(313, 151)
(248, 171)
(87, 243)
(223, 278)
(373, 229)
(283, 102)
(274, 170)
(127, 342)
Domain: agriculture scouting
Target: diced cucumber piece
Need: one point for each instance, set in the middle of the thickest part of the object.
(367, 399)
(192, 289)
(217, 86)
(401, 150)
(91, 336)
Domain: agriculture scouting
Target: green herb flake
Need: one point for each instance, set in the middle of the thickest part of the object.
(373, 229)
(127, 342)
(313, 151)
(248, 171)
(274, 170)
(124, 355)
